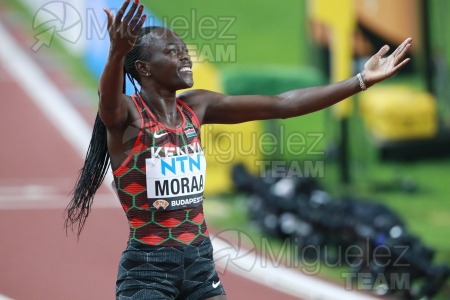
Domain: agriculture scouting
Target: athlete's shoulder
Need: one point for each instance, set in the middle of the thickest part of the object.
(194, 97)
(200, 100)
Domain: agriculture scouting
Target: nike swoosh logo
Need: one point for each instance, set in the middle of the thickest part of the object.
(215, 284)
(157, 136)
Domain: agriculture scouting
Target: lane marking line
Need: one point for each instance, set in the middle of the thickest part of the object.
(284, 279)
(51, 101)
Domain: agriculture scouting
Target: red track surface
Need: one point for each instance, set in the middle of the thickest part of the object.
(38, 170)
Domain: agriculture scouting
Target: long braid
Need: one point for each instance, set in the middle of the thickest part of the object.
(90, 178)
(97, 160)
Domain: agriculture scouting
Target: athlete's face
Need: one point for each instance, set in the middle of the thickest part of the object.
(170, 64)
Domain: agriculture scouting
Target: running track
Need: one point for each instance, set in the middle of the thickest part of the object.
(39, 165)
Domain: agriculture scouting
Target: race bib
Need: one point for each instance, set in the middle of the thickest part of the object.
(175, 182)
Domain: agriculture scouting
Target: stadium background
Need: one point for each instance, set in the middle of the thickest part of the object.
(283, 40)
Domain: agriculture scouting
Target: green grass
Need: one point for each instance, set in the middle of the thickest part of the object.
(265, 32)
(426, 212)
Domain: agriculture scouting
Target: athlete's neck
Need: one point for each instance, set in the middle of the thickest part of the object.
(164, 106)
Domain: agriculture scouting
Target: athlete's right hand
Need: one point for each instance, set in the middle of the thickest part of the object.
(123, 30)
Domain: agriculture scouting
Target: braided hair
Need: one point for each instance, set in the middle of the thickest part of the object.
(97, 159)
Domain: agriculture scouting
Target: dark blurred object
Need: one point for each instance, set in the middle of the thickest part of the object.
(367, 237)
(436, 147)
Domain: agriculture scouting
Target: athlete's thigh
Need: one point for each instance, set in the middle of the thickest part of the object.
(140, 293)
(155, 274)
(201, 280)
(221, 297)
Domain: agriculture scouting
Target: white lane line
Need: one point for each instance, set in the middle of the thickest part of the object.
(49, 202)
(75, 130)
(43, 92)
(3, 297)
(27, 189)
(44, 196)
(288, 281)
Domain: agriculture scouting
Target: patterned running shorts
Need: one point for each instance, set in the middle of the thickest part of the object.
(160, 272)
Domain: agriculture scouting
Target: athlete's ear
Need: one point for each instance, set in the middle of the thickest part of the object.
(143, 68)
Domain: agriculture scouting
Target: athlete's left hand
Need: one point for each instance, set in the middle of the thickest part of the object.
(378, 68)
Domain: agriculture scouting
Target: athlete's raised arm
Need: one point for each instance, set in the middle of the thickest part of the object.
(219, 108)
(123, 30)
